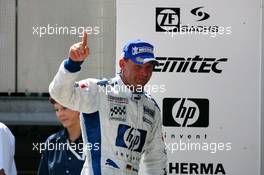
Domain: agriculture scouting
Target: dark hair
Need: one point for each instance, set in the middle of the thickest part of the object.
(52, 101)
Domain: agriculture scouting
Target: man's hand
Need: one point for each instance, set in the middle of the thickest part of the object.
(79, 51)
(2, 172)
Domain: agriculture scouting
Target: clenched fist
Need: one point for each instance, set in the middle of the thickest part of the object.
(79, 51)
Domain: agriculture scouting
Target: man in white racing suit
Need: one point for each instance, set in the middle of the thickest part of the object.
(121, 123)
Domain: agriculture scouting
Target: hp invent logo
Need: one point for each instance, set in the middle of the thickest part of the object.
(130, 138)
(185, 112)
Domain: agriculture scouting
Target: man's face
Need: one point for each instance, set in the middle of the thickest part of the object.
(135, 74)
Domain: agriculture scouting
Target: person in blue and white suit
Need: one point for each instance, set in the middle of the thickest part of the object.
(116, 114)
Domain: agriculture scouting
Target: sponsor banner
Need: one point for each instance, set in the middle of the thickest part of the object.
(195, 168)
(209, 66)
(185, 112)
(195, 64)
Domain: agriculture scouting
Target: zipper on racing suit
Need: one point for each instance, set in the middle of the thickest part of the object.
(137, 98)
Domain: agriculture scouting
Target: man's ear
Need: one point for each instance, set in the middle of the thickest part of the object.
(122, 63)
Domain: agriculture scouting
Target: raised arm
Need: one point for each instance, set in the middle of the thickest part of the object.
(79, 96)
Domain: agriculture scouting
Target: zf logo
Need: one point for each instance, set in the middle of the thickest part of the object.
(167, 19)
(130, 138)
(185, 112)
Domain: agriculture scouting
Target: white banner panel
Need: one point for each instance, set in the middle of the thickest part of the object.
(209, 54)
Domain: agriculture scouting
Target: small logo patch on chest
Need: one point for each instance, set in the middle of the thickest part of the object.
(118, 112)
